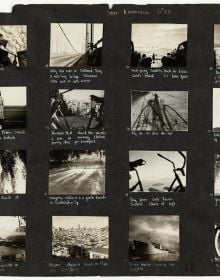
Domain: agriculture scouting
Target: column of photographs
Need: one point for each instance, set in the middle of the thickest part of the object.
(154, 238)
(77, 172)
(13, 102)
(216, 130)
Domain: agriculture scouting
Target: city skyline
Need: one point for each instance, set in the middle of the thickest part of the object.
(83, 221)
(82, 95)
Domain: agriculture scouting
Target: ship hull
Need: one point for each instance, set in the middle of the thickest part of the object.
(148, 249)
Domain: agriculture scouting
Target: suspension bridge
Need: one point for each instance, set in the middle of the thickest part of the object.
(63, 53)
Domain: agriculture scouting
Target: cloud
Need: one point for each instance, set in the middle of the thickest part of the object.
(162, 229)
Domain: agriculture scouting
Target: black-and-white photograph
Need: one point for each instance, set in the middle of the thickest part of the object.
(13, 45)
(158, 45)
(77, 172)
(12, 172)
(76, 44)
(217, 242)
(217, 45)
(216, 111)
(157, 171)
(12, 238)
(80, 237)
(217, 174)
(159, 111)
(154, 238)
(13, 107)
(77, 109)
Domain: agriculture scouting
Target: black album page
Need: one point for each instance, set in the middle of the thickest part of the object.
(110, 140)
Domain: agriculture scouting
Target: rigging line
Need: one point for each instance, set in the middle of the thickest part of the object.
(67, 39)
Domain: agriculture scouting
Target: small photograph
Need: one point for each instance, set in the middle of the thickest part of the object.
(158, 45)
(77, 109)
(76, 44)
(157, 171)
(12, 238)
(13, 45)
(217, 242)
(13, 107)
(217, 46)
(159, 111)
(80, 237)
(154, 238)
(12, 172)
(217, 174)
(77, 172)
(216, 111)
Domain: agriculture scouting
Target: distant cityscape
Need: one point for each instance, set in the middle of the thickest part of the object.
(80, 108)
(80, 242)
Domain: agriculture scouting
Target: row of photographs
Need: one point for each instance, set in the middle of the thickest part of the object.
(85, 109)
(81, 44)
(151, 238)
(82, 172)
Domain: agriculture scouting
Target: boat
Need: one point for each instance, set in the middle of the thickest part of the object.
(148, 248)
(13, 246)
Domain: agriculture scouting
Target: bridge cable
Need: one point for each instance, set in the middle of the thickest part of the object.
(67, 39)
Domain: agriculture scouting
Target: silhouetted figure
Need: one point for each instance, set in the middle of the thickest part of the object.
(155, 105)
(96, 113)
(153, 57)
(145, 61)
(132, 46)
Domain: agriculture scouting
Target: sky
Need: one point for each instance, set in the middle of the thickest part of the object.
(14, 96)
(8, 224)
(156, 169)
(164, 228)
(148, 37)
(81, 94)
(217, 35)
(83, 221)
(76, 32)
(216, 106)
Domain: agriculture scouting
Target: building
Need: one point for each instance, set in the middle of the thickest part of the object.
(98, 253)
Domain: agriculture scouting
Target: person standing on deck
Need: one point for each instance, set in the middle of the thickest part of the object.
(2, 115)
(155, 105)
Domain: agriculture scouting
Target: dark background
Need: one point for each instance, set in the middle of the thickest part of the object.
(195, 207)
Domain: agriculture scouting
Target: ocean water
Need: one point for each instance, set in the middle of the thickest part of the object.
(157, 257)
